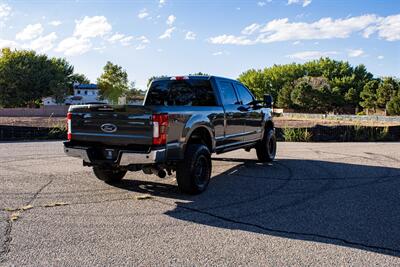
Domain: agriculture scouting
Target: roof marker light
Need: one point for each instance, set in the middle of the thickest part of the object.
(179, 78)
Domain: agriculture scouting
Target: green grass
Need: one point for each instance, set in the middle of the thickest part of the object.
(297, 134)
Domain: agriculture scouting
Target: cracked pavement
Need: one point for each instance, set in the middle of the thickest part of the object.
(317, 204)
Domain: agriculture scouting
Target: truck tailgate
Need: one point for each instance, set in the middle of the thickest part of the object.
(112, 125)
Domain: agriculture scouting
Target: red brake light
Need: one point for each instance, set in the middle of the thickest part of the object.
(69, 130)
(179, 78)
(160, 125)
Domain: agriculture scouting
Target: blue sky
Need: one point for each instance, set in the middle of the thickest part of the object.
(224, 38)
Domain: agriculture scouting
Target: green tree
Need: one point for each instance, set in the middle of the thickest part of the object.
(368, 95)
(62, 79)
(387, 89)
(305, 97)
(153, 78)
(26, 77)
(284, 99)
(199, 74)
(342, 82)
(113, 82)
(393, 106)
(80, 78)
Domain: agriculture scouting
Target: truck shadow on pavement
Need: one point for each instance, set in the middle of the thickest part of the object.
(331, 202)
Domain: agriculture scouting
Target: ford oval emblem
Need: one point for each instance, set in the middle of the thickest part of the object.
(108, 128)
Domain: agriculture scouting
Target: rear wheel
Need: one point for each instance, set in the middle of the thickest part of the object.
(194, 172)
(266, 148)
(109, 175)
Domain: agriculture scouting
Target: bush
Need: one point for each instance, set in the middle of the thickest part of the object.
(393, 106)
(297, 135)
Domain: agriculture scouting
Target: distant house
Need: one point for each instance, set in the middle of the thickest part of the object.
(49, 101)
(83, 94)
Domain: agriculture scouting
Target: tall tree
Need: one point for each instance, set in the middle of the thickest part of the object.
(113, 82)
(368, 95)
(387, 89)
(26, 77)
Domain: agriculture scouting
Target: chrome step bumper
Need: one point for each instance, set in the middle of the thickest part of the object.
(125, 157)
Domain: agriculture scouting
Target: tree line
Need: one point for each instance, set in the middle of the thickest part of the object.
(26, 77)
(325, 85)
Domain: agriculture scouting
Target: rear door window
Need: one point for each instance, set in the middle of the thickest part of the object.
(190, 92)
(228, 93)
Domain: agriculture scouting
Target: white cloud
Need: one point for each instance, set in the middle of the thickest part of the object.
(308, 55)
(279, 30)
(389, 28)
(261, 4)
(91, 27)
(120, 38)
(55, 23)
(143, 13)
(303, 2)
(143, 39)
(8, 43)
(5, 11)
(171, 19)
(140, 47)
(116, 37)
(355, 52)
(220, 53)
(296, 43)
(167, 34)
(126, 41)
(161, 3)
(190, 36)
(380, 57)
(251, 29)
(73, 46)
(325, 28)
(30, 32)
(230, 39)
(43, 43)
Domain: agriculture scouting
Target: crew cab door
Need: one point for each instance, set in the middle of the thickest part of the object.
(234, 114)
(253, 117)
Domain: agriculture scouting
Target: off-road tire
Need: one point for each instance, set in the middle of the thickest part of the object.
(194, 171)
(108, 175)
(266, 148)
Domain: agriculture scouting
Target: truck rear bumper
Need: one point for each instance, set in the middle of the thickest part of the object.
(125, 157)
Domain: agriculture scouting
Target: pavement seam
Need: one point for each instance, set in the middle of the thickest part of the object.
(5, 248)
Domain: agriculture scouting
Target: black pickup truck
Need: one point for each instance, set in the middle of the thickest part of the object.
(182, 122)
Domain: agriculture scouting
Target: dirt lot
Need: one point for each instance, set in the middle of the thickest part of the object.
(33, 121)
(282, 122)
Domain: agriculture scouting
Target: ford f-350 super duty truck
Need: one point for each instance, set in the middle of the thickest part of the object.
(182, 121)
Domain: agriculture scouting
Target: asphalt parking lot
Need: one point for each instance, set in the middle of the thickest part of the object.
(317, 204)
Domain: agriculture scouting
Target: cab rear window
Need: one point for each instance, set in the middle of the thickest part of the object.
(190, 92)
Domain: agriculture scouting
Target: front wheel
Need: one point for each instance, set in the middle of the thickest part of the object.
(266, 148)
(109, 175)
(194, 172)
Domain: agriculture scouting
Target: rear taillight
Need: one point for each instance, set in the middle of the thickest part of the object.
(69, 130)
(160, 127)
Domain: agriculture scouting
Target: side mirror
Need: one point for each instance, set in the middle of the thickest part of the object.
(268, 101)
